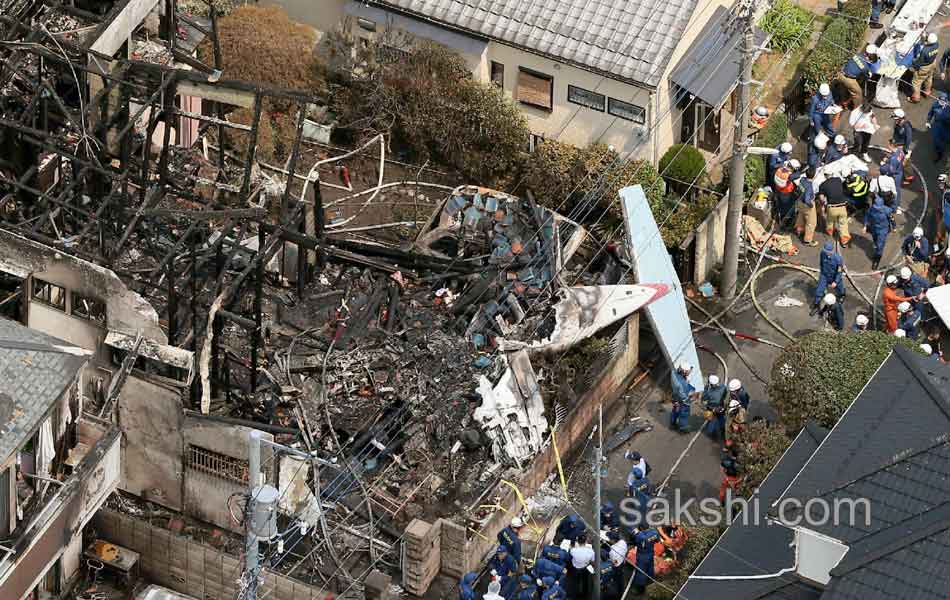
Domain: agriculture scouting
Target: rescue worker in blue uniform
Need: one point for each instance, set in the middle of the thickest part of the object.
(548, 568)
(857, 70)
(527, 590)
(570, 528)
(903, 138)
(830, 274)
(607, 580)
(818, 153)
(556, 554)
(640, 490)
(924, 64)
(913, 285)
(508, 537)
(909, 319)
(943, 183)
(938, 121)
(505, 567)
(552, 589)
(467, 586)
(782, 155)
(877, 222)
(714, 400)
(820, 101)
(836, 149)
(683, 392)
(832, 310)
(644, 541)
(893, 166)
(916, 247)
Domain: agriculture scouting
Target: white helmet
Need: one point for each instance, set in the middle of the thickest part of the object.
(761, 111)
(713, 380)
(734, 404)
(871, 49)
(824, 89)
(899, 113)
(861, 320)
(905, 272)
(918, 233)
(785, 147)
(734, 384)
(839, 140)
(903, 306)
(890, 280)
(900, 333)
(517, 522)
(927, 348)
(931, 38)
(821, 142)
(830, 299)
(795, 164)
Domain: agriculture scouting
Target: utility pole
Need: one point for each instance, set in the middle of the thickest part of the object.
(598, 468)
(252, 565)
(730, 261)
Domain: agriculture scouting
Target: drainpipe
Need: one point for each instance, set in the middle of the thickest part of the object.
(651, 111)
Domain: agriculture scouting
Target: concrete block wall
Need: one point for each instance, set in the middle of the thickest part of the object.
(422, 543)
(459, 554)
(191, 568)
(710, 239)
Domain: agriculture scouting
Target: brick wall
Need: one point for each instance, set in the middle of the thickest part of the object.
(422, 543)
(191, 568)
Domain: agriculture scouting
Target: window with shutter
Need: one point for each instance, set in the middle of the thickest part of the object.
(535, 89)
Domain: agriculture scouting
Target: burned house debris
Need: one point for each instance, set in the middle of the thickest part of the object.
(216, 294)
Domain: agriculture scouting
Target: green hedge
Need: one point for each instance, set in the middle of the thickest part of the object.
(843, 36)
(790, 26)
(774, 133)
(819, 375)
(683, 164)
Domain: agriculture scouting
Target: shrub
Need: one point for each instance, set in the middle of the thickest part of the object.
(262, 45)
(686, 217)
(429, 105)
(765, 443)
(843, 36)
(818, 376)
(584, 183)
(682, 165)
(789, 24)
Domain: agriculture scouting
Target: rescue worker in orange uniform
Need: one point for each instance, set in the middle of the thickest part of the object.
(892, 297)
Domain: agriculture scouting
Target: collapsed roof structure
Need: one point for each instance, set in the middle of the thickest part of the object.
(406, 361)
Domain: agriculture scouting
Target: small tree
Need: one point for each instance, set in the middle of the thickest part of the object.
(423, 95)
(818, 376)
(682, 166)
(763, 447)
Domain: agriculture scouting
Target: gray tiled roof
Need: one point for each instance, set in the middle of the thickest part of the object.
(629, 40)
(758, 547)
(35, 370)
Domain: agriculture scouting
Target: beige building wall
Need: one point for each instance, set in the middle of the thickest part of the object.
(668, 125)
(568, 122)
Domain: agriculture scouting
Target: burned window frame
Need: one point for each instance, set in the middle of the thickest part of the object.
(78, 299)
(41, 291)
(207, 461)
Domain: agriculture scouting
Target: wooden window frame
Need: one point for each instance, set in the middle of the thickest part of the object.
(612, 102)
(574, 88)
(497, 68)
(537, 75)
(45, 295)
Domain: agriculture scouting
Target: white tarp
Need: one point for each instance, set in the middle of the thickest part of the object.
(652, 263)
(905, 32)
(939, 298)
(296, 498)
